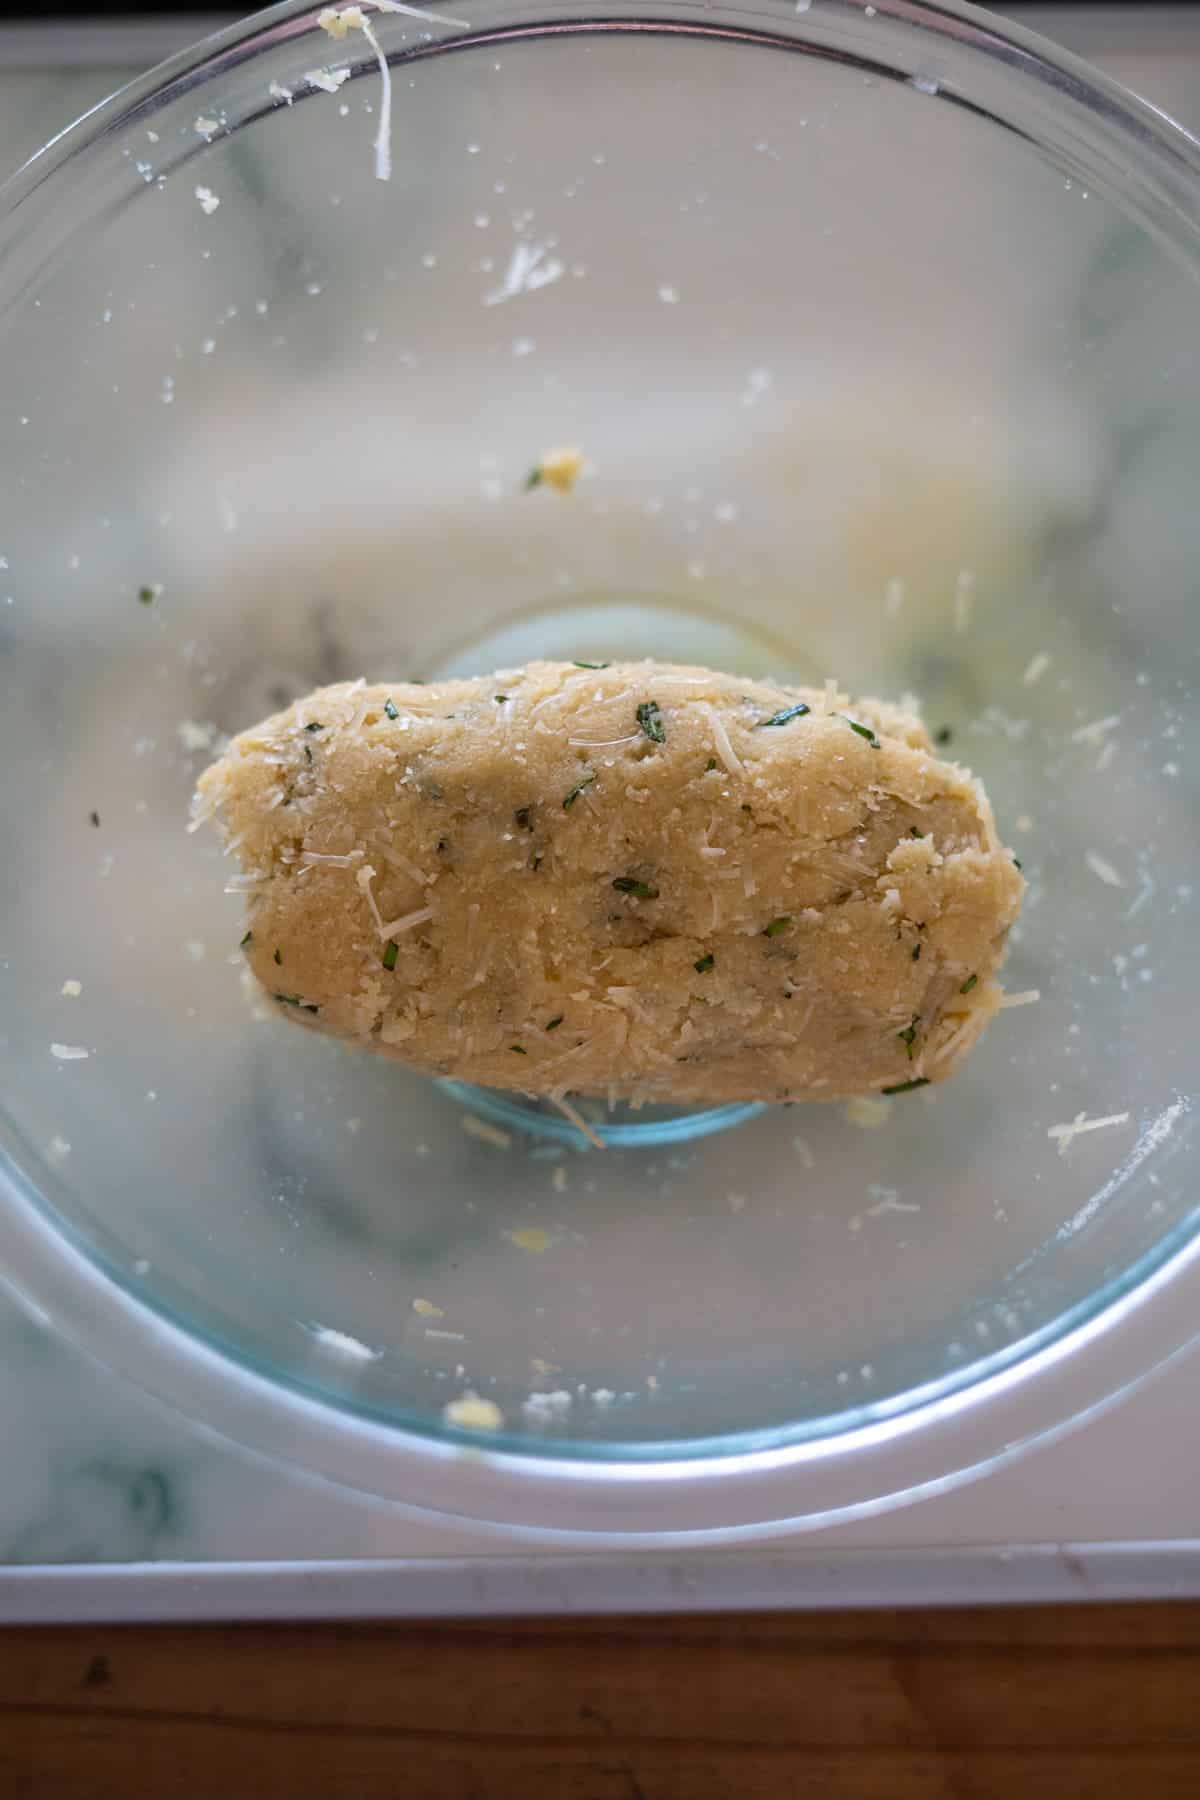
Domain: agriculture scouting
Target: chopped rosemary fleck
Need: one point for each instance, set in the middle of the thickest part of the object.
(906, 1087)
(390, 952)
(278, 955)
(777, 925)
(864, 731)
(314, 725)
(523, 816)
(586, 665)
(968, 984)
(554, 1023)
(246, 941)
(710, 765)
(916, 955)
(570, 799)
(913, 832)
(641, 890)
(1016, 863)
(786, 716)
(534, 478)
(148, 595)
(390, 708)
(295, 1000)
(908, 1038)
(942, 735)
(518, 1050)
(499, 699)
(94, 817)
(308, 753)
(704, 963)
(649, 717)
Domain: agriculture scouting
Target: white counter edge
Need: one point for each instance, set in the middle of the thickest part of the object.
(721, 1581)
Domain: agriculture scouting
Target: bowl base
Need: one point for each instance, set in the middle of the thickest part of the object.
(620, 1124)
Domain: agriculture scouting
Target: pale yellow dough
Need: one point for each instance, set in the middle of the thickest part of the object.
(555, 881)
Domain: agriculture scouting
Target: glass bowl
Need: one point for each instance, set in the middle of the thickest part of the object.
(877, 327)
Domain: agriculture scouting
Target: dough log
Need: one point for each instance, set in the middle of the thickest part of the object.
(641, 880)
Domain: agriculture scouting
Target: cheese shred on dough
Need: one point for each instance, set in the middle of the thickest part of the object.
(640, 880)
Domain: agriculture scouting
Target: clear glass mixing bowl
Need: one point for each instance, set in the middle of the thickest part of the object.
(878, 327)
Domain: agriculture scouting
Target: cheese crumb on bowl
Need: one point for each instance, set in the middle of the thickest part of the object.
(470, 1412)
(558, 469)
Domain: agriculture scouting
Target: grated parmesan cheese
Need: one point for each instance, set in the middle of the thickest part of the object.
(1028, 997)
(470, 1412)
(1096, 730)
(341, 1344)
(336, 22)
(407, 922)
(560, 469)
(209, 201)
(1102, 869)
(721, 743)
(328, 80)
(69, 1052)
(1035, 669)
(427, 1310)
(1066, 1134)
(72, 989)
(531, 1238)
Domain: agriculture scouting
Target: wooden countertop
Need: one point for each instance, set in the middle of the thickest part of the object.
(1028, 1704)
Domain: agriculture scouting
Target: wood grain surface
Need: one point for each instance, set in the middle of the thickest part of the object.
(1028, 1704)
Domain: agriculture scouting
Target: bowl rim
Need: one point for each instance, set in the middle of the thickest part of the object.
(924, 1441)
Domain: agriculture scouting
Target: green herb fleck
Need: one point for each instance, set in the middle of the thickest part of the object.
(534, 478)
(499, 699)
(1016, 864)
(649, 718)
(295, 1000)
(710, 765)
(390, 952)
(523, 817)
(913, 832)
(641, 890)
(570, 799)
(916, 955)
(390, 708)
(864, 731)
(246, 941)
(942, 735)
(308, 753)
(908, 1037)
(777, 925)
(587, 665)
(968, 984)
(94, 818)
(536, 864)
(554, 1023)
(314, 725)
(786, 716)
(704, 963)
(278, 954)
(906, 1087)
(149, 594)
(518, 1050)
